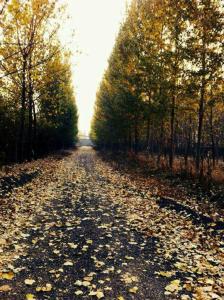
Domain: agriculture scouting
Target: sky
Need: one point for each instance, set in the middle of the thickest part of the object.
(95, 24)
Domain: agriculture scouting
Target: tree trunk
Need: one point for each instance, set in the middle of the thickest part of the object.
(148, 136)
(136, 137)
(30, 126)
(201, 109)
(22, 113)
(34, 131)
(212, 136)
(160, 150)
(172, 122)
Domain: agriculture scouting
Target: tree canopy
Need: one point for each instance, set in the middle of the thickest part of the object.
(38, 113)
(164, 86)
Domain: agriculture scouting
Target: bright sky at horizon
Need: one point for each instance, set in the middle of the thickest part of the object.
(96, 24)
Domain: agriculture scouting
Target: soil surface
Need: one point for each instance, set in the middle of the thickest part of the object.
(76, 236)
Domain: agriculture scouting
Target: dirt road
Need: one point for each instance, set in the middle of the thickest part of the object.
(77, 234)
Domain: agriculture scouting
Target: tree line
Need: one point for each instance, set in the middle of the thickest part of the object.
(163, 90)
(38, 113)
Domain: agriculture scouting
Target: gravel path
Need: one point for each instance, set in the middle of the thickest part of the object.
(81, 245)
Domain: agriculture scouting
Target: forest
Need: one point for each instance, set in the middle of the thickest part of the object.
(163, 91)
(136, 211)
(38, 113)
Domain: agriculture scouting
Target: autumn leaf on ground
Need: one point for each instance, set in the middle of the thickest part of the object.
(46, 288)
(30, 297)
(29, 281)
(174, 286)
(78, 282)
(72, 245)
(133, 290)
(129, 278)
(89, 242)
(86, 283)
(8, 276)
(68, 263)
(79, 293)
(99, 294)
(5, 288)
(166, 273)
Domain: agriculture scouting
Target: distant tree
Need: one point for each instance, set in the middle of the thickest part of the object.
(57, 112)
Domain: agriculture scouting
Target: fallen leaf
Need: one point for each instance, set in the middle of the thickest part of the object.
(79, 293)
(72, 245)
(78, 282)
(5, 288)
(68, 263)
(30, 297)
(86, 283)
(46, 288)
(99, 295)
(166, 273)
(133, 290)
(29, 281)
(185, 297)
(129, 257)
(173, 286)
(8, 276)
(128, 278)
(88, 278)
(92, 293)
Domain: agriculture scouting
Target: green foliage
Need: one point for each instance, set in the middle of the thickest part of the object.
(57, 112)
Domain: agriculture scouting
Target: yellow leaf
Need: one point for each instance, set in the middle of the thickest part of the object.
(8, 276)
(185, 297)
(173, 286)
(181, 266)
(79, 292)
(78, 282)
(72, 245)
(86, 283)
(30, 297)
(128, 278)
(92, 293)
(88, 278)
(99, 294)
(29, 281)
(133, 290)
(68, 263)
(166, 274)
(46, 288)
(129, 257)
(5, 288)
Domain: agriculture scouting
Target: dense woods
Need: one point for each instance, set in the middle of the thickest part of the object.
(38, 113)
(163, 91)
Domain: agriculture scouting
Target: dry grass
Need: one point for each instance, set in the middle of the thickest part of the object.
(214, 173)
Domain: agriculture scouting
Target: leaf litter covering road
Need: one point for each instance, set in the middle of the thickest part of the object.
(76, 228)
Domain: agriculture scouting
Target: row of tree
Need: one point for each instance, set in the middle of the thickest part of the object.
(38, 113)
(164, 87)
